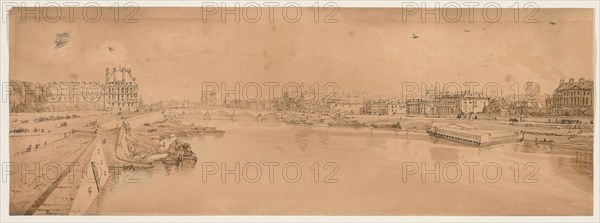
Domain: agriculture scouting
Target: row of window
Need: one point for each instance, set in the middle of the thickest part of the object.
(120, 97)
(114, 91)
(130, 104)
(573, 101)
(577, 93)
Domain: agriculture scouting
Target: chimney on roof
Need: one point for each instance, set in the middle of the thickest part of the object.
(571, 80)
(581, 79)
(562, 81)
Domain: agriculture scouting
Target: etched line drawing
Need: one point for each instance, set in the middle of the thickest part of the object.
(302, 111)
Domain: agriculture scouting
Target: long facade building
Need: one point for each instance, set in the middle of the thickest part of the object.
(572, 98)
(448, 104)
(118, 93)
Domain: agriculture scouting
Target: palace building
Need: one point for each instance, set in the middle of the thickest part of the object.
(120, 91)
(572, 98)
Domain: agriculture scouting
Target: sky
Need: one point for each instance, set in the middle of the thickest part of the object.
(172, 51)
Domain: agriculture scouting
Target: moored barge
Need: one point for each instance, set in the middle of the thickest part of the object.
(467, 134)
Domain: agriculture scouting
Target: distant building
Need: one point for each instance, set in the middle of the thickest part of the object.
(28, 96)
(347, 106)
(393, 107)
(473, 103)
(572, 98)
(425, 105)
(448, 104)
(374, 107)
(420, 107)
(120, 94)
(25, 96)
(381, 107)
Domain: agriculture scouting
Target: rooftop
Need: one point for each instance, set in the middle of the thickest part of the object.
(582, 84)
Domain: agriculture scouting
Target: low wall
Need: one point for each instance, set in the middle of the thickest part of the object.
(95, 176)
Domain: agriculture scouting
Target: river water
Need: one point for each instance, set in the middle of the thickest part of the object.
(298, 170)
